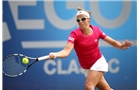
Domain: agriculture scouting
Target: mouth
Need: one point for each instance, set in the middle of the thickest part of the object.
(81, 25)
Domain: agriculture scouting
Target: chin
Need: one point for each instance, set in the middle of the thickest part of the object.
(82, 28)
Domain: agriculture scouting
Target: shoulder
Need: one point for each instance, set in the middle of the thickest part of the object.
(99, 32)
(74, 35)
(94, 27)
(76, 31)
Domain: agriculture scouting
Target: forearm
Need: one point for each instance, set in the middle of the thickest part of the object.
(61, 54)
(124, 45)
(116, 44)
(113, 42)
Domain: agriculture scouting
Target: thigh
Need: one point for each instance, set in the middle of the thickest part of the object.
(100, 65)
(103, 85)
(94, 77)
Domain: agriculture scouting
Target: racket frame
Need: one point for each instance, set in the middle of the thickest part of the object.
(31, 58)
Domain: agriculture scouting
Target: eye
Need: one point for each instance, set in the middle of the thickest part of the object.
(83, 19)
(78, 20)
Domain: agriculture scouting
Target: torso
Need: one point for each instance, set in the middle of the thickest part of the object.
(86, 47)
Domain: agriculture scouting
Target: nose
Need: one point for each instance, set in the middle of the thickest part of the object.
(80, 21)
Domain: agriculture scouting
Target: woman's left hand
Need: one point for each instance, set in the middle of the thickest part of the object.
(126, 44)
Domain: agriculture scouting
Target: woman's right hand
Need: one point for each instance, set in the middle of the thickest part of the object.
(52, 56)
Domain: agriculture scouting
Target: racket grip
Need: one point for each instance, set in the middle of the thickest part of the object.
(44, 57)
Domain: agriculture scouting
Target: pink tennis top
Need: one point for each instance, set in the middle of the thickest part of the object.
(86, 47)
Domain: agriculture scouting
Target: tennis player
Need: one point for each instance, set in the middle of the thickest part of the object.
(85, 40)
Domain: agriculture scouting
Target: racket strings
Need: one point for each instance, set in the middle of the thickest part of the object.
(13, 65)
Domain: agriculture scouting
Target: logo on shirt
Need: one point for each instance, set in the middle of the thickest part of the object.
(103, 33)
(95, 40)
(71, 38)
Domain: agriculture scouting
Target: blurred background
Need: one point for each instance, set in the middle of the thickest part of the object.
(35, 28)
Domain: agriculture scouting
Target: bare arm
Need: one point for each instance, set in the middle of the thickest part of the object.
(125, 45)
(63, 53)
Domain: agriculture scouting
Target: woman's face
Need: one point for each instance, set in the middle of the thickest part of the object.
(83, 21)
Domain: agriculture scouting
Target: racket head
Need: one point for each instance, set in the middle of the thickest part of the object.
(13, 66)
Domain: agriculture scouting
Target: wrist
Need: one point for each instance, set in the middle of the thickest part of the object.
(123, 47)
(55, 55)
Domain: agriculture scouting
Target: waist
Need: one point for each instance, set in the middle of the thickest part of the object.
(86, 61)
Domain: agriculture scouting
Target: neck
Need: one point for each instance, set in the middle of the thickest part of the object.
(87, 32)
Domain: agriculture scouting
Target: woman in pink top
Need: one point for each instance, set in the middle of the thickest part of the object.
(85, 40)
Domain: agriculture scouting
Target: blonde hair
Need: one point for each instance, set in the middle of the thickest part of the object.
(81, 9)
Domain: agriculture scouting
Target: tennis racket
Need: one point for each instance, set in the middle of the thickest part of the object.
(13, 65)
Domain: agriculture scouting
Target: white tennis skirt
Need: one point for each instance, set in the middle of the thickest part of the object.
(99, 65)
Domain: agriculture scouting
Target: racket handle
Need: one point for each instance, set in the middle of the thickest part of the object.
(44, 57)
